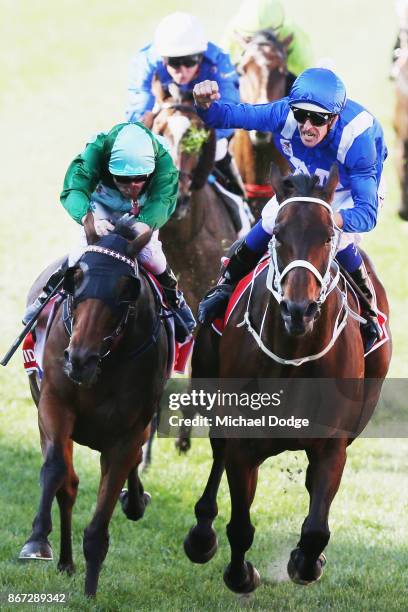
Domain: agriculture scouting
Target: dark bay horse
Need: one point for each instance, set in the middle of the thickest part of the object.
(201, 229)
(100, 388)
(263, 78)
(300, 304)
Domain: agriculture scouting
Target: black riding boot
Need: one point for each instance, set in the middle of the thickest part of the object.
(184, 321)
(371, 331)
(226, 170)
(216, 299)
(50, 285)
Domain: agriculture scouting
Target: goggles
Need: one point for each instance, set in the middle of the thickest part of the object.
(126, 180)
(187, 60)
(317, 119)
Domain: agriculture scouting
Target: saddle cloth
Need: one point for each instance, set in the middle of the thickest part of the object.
(242, 287)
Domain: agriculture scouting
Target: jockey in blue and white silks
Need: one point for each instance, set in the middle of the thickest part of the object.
(182, 55)
(314, 127)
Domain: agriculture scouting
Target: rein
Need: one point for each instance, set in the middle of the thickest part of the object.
(327, 283)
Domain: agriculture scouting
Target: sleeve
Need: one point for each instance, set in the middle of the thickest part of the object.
(162, 192)
(228, 83)
(362, 171)
(82, 178)
(261, 117)
(140, 97)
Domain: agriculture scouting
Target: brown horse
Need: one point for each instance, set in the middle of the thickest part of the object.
(401, 130)
(104, 371)
(201, 229)
(263, 78)
(304, 311)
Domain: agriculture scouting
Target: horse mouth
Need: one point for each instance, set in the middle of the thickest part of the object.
(84, 375)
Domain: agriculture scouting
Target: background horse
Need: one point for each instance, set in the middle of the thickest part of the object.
(297, 307)
(201, 229)
(263, 78)
(101, 387)
(401, 128)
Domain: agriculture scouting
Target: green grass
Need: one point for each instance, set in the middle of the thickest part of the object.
(63, 77)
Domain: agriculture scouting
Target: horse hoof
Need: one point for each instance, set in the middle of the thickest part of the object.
(200, 548)
(297, 559)
(66, 568)
(37, 551)
(251, 582)
(183, 445)
(136, 513)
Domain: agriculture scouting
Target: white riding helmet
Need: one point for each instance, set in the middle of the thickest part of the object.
(180, 34)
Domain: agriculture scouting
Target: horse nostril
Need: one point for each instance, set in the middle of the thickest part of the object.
(66, 355)
(311, 310)
(284, 308)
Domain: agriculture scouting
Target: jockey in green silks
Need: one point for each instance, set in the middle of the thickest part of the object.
(254, 15)
(126, 170)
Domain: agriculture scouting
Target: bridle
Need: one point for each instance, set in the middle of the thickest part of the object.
(108, 342)
(327, 284)
(326, 281)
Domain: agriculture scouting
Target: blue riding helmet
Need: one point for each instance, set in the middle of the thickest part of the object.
(319, 87)
(132, 152)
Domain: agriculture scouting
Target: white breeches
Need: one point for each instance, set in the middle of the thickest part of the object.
(151, 256)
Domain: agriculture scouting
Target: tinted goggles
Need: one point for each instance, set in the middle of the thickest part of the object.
(126, 180)
(315, 118)
(187, 60)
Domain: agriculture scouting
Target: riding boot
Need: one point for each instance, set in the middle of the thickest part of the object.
(184, 321)
(216, 299)
(50, 285)
(226, 170)
(371, 331)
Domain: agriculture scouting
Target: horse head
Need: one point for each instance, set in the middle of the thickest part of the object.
(302, 247)
(191, 144)
(263, 67)
(101, 287)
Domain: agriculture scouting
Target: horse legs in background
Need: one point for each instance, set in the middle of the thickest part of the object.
(201, 543)
(116, 464)
(323, 476)
(240, 576)
(147, 450)
(56, 428)
(135, 499)
(66, 496)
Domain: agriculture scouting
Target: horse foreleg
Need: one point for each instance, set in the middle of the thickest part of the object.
(66, 497)
(241, 576)
(323, 478)
(56, 424)
(116, 464)
(134, 499)
(201, 543)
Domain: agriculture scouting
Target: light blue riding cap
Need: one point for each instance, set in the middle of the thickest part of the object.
(319, 86)
(132, 152)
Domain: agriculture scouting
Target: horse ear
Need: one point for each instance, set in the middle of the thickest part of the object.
(286, 42)
(134, 247)
(276, 180)
(241, 39)
(158, 91)
(330, 186)
(89, 227)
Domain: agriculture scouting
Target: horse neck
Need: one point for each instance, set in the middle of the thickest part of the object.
(143, 315)
(276, 86)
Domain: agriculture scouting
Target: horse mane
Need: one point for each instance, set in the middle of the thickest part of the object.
(124, 227)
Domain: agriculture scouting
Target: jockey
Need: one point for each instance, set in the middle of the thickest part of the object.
(181, 54)
(255, 15)
(125, 170)
(314, 127)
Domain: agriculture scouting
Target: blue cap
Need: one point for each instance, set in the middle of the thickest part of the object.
(321, 87)
(132, 152)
